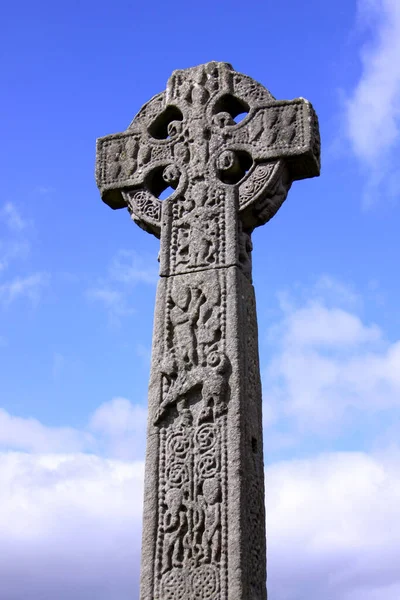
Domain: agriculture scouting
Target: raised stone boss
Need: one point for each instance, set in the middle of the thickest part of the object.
(204, 517)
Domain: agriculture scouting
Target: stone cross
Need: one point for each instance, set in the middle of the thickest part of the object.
(204, 517)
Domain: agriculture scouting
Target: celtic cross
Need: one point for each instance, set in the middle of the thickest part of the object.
(204, 521)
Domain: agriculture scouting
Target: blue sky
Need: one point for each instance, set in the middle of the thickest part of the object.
(78, 281)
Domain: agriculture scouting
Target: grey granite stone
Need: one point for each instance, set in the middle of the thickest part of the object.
(204, 518)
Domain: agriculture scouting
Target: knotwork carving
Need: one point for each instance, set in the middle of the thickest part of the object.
(192, 515)
(174, 586)
(204, 583)
(256, 181)
(201, 584)
(178, 444)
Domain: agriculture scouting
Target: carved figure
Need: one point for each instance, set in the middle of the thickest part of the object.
(197, 235)
(180, 385)
(210, 504)
(175, 522)
(209, 331)
(184, 316)
(215, 385)
(212, 380)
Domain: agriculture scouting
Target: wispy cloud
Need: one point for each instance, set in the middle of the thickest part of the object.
(116, 429)
(128, 269)
(44, 190)
(12, 217)
(30, 287)
(11, 250)
(327, 368)
(144, 352)
(14, 242)
(58, 365)
(373, 106)
(29, 434)
(121, 428)
(114, 301)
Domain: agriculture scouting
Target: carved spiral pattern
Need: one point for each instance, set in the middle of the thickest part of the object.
(145, 203)
(247, 188)
(207, 466)
(262, 172)
(178, 444)
(206, 437)
(254, 184)
(207, 444)
(177, 473)
(141, 199)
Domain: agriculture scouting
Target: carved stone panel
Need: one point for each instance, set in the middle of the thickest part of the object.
(192, 510)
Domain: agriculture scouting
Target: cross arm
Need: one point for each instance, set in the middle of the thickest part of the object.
(132, 167)
(282, 138)
(280, 130)
(116, 166)
(287, 130)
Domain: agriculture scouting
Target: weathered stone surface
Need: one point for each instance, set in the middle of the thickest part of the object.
(204, 521)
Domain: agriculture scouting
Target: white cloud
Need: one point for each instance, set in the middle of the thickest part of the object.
(339, 292)
(116, 429)
(316, 325)
(44, 190)
(334, 528)
(373, 107)
(122, 428)
(114, 301)
(12, 217)
(30, 286)
(126, 270)
(327, 368)
(144, 352)
(11, 250)
(130, 267)
(58, 365)
(16, 245)
(12, 244)
(69, 527)
(30, 435)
